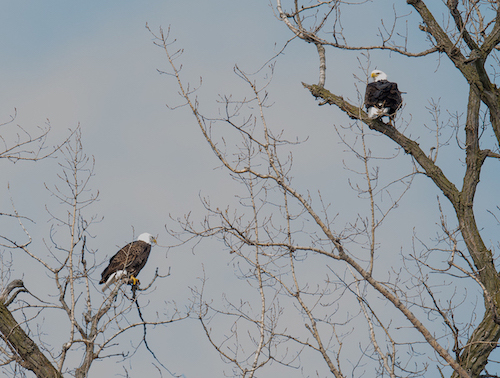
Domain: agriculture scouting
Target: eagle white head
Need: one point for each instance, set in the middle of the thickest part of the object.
(148, 238)
(378, 75)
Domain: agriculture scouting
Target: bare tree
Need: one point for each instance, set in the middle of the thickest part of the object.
(20, 144)
(404, 321)
(92, 321)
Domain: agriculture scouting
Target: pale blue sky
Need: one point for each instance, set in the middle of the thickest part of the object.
(94, 63)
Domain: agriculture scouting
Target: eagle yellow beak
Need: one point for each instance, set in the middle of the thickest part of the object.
(154, 240)
(373, 74)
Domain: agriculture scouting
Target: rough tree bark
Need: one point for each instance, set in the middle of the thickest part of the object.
(28, 354)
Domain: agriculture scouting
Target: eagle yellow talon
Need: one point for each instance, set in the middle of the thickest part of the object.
(134, 281)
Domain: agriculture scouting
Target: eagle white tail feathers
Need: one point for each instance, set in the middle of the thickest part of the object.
(116, 276)
(374, 112)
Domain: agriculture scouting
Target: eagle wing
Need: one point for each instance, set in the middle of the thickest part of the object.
(371, 95)
(131, 258)
(394, 99)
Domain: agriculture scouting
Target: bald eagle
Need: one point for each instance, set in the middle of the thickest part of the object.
(382, 97)
(128, 261)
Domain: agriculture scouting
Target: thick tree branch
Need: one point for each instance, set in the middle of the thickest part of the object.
(443, 42)
(459, 22)
(30, 357)
(493, 39)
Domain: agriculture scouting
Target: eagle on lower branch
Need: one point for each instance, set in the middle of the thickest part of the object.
(382, 97)
(128, 261)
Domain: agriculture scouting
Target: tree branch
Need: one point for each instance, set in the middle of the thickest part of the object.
(30, 356)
